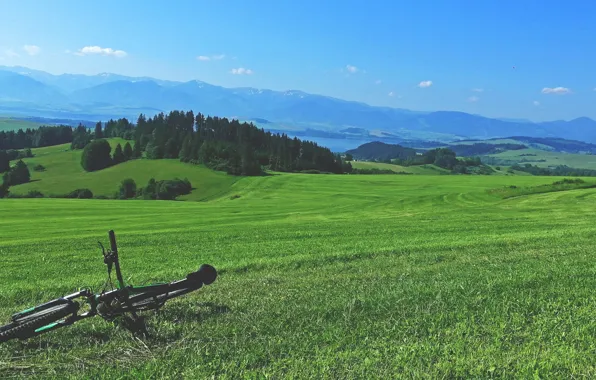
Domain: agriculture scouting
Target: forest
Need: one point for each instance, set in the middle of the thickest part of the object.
(219, 143)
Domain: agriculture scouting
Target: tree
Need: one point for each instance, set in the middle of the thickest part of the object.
(150, 191)
(96, 155)
(349, 157)
(185, 151)
(118, 156)
(98, 131)
(17, 175)
(128, 189)
(136, 151)
(4, 190)
(128, 153)
(4, 161)
(80, 138)
(171, 149)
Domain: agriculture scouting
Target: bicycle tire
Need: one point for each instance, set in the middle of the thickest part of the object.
(44, 317)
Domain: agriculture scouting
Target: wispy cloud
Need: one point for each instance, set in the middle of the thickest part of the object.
(473, 99)
(211, 57)
(11, 53)
(378, 81)
(241, 71)
(351, 69)
(536, 103)
(425, 83)
(478, 89)
(97, 50)
(32, 49)
(556, 90)
(391, 93)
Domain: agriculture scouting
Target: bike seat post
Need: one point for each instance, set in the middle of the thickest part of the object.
(114, 248)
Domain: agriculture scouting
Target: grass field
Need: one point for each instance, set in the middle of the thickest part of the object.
(582, 161)
(320, 277)
(64, 174)
(11, 124)
(420, 169)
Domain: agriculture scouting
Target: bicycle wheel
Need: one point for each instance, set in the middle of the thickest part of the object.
(28, 326)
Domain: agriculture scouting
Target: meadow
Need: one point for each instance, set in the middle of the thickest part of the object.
(12, 124)
(543, 158)
(63, 173)
(321, 276)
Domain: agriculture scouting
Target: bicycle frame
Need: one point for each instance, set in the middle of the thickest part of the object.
(122, 295)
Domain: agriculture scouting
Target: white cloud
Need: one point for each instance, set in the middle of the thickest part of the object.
(241, 71)
(391, 93)
(425, 83)
(93, 50)
(211, 58)
(536, 103)
(473, 99)
(478, 89)
(351, 69)
(32, 49)
(11, 53)
(556, 90)
(378, 81)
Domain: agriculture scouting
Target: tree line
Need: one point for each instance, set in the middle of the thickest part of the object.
(219, 143)
(36, 138)
(444, 158)
(560, 170)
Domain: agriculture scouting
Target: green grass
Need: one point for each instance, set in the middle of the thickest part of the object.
(565, 185)
(418, 169)
(64, 174)
(370, 276)
(582, 161)
(11, 124)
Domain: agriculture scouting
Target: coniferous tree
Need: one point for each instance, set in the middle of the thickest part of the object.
(4, 161)
(118, 156)
(98, 130)
(17, 175)
(128, 153)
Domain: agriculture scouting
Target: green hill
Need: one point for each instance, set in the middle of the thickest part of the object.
(12, 124)
(63, 174)
(418, 169)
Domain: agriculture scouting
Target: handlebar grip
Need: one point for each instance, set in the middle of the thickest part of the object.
(113, 241)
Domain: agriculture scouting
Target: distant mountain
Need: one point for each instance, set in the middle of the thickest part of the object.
(28, 92)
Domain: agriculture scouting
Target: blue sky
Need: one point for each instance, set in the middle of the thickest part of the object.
(378, 52)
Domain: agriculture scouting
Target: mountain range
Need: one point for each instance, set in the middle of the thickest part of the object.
(27, 92)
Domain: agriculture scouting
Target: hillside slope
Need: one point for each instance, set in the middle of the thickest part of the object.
(64, 174)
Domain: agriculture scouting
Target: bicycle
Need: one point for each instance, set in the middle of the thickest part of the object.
(108, 304)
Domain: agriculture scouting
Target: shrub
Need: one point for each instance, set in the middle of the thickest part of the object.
(166, 189)
(4, 190)
(34, 194)
(17, 175)
(80, 194)
(128, 189)
(39, 168)
(567, 181)
(96, 155)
